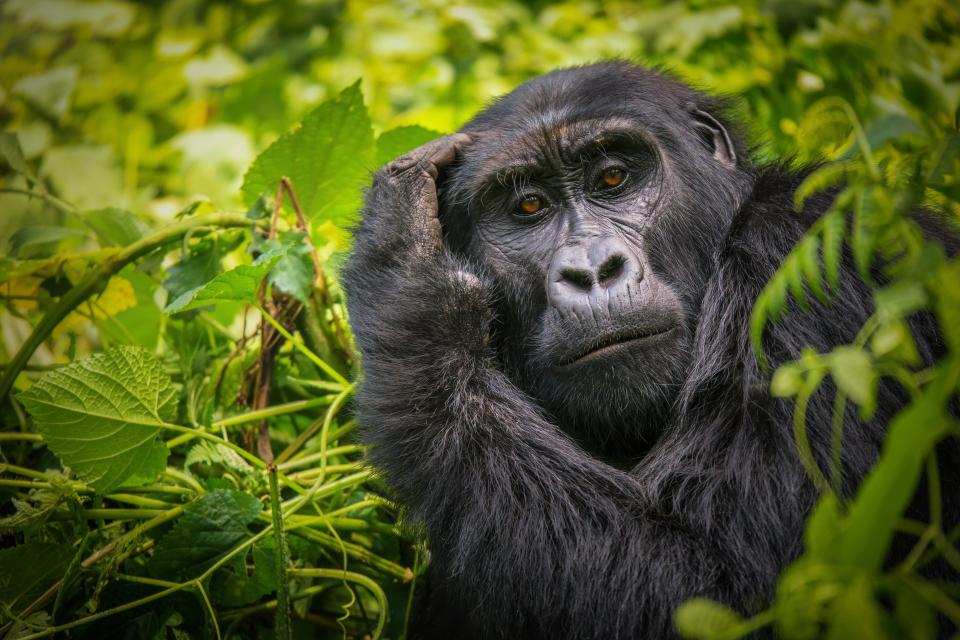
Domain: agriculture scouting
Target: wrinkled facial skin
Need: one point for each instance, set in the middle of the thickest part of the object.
(597, 224)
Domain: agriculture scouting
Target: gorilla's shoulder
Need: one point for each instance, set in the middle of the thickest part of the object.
(767, 226)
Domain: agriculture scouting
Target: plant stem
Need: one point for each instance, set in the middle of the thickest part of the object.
(282, 628)
(356, 578)
(254, 416)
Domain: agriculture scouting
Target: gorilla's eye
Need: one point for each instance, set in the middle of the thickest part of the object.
(530, 204)
(611, 177)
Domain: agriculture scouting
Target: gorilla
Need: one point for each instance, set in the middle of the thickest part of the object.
(552, 307)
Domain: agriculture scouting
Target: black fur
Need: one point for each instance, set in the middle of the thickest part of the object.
(590, 506)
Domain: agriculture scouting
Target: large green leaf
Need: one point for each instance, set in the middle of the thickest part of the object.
(327, 158)
(210, 527)
(102, 415)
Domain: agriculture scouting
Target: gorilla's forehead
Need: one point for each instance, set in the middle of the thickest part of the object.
(549, 119)
(545, 141)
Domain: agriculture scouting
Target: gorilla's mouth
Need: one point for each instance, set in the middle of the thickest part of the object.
(611, 342)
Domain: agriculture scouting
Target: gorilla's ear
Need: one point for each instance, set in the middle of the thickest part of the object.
(714, 136)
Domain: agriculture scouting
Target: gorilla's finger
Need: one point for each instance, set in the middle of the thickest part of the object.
(432, 156)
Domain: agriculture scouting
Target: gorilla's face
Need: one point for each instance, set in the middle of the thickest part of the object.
(598, 225)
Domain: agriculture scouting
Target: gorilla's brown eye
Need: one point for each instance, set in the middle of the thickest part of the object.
(530, 205)
(611, 177)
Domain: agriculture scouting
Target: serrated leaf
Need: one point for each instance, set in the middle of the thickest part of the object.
(238, 284)
(215, 453)
(27, 570)
(294, 273)
(702, 618)
(198, 266)
(240, 587)
(327, 158)
(853, 372)
(102, 414)
(210, 527)
(396, 142)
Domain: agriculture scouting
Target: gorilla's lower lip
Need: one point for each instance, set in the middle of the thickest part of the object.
(614, 342)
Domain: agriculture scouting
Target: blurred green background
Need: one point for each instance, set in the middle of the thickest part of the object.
(145, 105)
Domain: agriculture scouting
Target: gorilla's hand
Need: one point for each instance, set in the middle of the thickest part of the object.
(411, 300)
(404, 198)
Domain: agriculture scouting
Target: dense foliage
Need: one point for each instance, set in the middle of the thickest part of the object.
(178, 452)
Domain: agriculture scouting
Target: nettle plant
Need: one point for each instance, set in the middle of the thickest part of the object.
(199, 474)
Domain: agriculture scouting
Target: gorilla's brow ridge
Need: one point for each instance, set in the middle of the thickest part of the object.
(590, 141)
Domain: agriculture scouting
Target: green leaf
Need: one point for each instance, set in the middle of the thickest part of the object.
(101, 415)
(787, 380)
(853, 372)
(396, 142)
(115, 227)
(327, 158)
(34, 242)
(198, 266)
(824, 529)
(50, 91)
(889, 487)
(215, 453)
(27, 570)
(702, 618)
(294, 272)
(834, 229)
(210, 527)
(238, 284)
(894, 339)
(235, 586)
(855, 614)
(810, 256)
(825, 177)
(900, 299)
(13, 154)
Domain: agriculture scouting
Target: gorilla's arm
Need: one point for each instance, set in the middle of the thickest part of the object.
(529, 534)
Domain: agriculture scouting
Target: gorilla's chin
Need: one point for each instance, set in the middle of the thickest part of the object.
(614, 397)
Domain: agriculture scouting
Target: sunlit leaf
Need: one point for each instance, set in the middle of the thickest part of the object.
(327, 158)
(102, 414)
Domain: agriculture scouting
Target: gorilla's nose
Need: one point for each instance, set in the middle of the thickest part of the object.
(597, 267)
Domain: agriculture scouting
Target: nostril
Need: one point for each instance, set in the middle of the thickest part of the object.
(580, 279)
(611, 268)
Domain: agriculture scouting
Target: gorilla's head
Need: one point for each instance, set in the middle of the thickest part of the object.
(595, 199)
